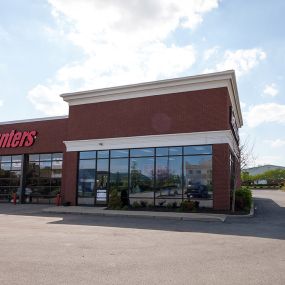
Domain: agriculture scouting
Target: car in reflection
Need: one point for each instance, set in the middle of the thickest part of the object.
(196, 190)
(170, 190)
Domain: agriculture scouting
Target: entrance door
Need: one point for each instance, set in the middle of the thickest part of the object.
(101, 192)
(102, 182)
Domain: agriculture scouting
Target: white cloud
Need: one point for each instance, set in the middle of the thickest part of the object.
(127, 22)
(270, 90)
(123, 41)
(46, 99)
(123, 67)
(276, 143)
(265, 113)
(210, 52)
(242, 60)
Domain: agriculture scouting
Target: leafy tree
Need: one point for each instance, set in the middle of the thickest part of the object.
(275, 176)
(246, 178)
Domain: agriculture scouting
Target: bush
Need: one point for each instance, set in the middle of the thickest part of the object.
(125, 198)
(169, 206)
(243, 199)
(174, 205)
(150, 206)
(143, 204)
(114, 200)
(189, 205)
(136, 205)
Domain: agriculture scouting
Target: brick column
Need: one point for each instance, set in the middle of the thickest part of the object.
(69, 177)
(221, 176)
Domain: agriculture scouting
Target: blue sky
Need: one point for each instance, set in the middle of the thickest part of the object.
(56, 46)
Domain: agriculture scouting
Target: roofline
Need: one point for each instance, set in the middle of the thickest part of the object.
(148, 84)
(34, 120)
(176, 85)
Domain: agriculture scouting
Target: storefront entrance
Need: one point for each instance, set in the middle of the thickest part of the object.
(158, 176)
(33, 178)
(101, 192)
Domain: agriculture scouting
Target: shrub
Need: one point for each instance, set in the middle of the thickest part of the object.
(243, 199)
(115, 200)
(136, 205)
(169, 205)
(125, 198)
(174, 205)
(150, 206)
(143, 204)
(189, 205)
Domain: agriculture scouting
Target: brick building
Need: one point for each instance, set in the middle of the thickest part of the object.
(160, 142)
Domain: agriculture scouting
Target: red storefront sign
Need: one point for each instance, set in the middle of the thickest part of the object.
(17, 139)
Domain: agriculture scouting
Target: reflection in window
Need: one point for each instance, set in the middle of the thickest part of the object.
(43, 177)
(142, 177)
(198, 176)
(86, 181)
(197, 149)
(87, 155)
(168, 180)
(142, 152)
(10, 175)
(103, 154)
(151, 175)
(119, 153)
(119, 174)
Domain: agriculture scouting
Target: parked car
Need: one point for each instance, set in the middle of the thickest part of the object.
(196, 190)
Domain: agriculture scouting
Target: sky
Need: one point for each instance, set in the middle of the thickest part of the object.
(50, 47)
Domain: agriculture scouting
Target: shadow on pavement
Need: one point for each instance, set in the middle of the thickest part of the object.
(268, 222)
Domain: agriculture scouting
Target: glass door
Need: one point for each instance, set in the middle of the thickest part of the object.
(102, 182)
(101, 189)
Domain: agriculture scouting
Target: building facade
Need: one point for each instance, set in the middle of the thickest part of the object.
(159, 143)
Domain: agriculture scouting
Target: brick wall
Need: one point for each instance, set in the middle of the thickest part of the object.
(69, 183)
(195, 111)
(221, 176)
(49, 138)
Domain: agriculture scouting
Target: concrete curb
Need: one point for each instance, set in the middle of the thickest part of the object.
(137, 214)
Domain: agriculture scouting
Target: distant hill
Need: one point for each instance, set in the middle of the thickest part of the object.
(261, 169)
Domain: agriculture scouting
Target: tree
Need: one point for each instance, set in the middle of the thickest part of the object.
(274, 176)
(246, 156)
(246, 178)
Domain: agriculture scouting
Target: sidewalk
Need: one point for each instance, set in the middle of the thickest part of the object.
(102, 211)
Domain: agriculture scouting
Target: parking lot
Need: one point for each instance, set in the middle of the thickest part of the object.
(38, 248)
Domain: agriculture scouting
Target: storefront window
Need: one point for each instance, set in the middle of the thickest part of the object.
(119, 174)
(197, 149)
(86, 181)
(103, 154)
(119, 153)
(142, 180)
(198, 178)
(152, 176)
(168, 180)
(87, 155)
(43, 177)
(142, 152)
(10, 176)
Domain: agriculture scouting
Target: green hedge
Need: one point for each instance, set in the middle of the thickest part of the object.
(115, 202)
(243, 199)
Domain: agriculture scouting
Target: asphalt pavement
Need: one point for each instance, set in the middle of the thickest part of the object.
(44, 248)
